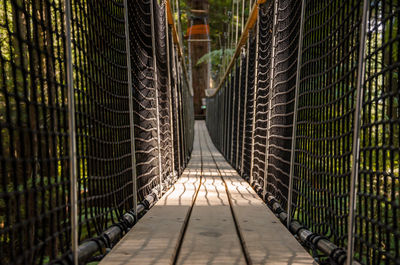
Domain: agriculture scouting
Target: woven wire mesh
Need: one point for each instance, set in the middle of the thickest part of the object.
(102, 115)
(263, 87)
(35, 204)
(325, 117)
(34, 189)
(185, 116)
(163, 94)
(235, 111)
(241, 112)
(176, 88)
(223, 118)
(174, 104)
(282, 99)
(248, 118)
(229, 117)
(377, 234)
(144, 96)
(325, 120)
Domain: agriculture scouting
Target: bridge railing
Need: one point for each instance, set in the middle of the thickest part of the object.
(309, 115)
(96, 122)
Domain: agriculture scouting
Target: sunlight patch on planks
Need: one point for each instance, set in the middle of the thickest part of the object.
(211, 236)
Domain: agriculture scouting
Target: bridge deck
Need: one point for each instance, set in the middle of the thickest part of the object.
(210, 216)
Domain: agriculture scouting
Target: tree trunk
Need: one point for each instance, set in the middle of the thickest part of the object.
(200, 73)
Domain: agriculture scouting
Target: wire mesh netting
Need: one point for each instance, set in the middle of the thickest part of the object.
(34, 159)
(325, 117)
(266, 16)
(235, 110)
(102, 115)
(252, 120)
(325, 81)
(35, 199)
(377, 237)
(145, 96)
(249, 106)
(282, 99)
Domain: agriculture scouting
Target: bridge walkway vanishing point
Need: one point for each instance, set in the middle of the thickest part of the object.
(210, 216)
(97, 132)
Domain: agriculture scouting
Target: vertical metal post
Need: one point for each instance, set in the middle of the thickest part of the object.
(254, 101)
(183, 119)
(243, 7)
(174, 95)
(222, 115)
(245, 105)
(153, 43)
(179, 25)
(190, 27)
(238, 116)
(226, 113)
(296, 104)
(356, 136)
(237, 23)
(171, 120)
(226, 60)
(233, 110)
(228, 118)
(270, 93)
(231, 35)
(72, 134)
(131, 118)
(179, 94)
(238, 90)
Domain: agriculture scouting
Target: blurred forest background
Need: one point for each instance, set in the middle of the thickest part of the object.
(224, 18)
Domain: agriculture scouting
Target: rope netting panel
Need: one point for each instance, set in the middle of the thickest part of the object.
(241, 111)
(378, 200)
(145, 97)
(282, 99)
(34, 156)
(249, 106)
(235, 116)
(325, 117)
(304, 154)
(102, 117)
(261, 117)
(36, 204)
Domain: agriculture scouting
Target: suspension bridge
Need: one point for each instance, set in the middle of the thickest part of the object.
(102, 161)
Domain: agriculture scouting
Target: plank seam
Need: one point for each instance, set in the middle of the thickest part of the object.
(235, 221)
(189, 214)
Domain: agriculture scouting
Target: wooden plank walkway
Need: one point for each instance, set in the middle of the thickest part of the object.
(210, 216)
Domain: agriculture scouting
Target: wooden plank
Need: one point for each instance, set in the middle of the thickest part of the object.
(211, 236)
(267, 239)
(153, 240)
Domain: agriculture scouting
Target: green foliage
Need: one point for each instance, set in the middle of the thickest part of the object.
(215, 57)
(218, 59)
(218, 19)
